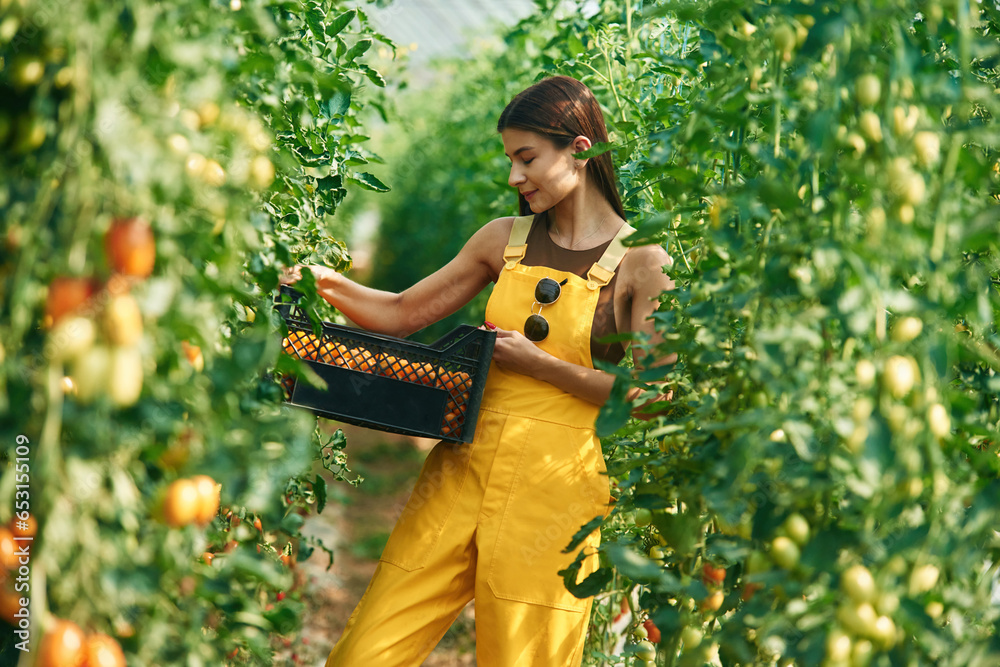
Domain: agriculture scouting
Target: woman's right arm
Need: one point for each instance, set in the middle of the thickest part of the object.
(433, 298)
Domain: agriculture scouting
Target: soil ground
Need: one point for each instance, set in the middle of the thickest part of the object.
(355, 525)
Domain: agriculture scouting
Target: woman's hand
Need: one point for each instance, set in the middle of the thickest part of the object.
(513, 352)
(293, 274)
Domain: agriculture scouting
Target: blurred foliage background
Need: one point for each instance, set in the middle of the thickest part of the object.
(821, 488)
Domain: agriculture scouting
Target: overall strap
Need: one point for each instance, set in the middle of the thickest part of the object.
(517, 244)
(603, 270)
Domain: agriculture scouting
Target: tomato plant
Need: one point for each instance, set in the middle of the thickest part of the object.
(825, 177)
(159, 164)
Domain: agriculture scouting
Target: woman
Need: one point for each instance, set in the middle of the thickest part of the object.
(489, 520)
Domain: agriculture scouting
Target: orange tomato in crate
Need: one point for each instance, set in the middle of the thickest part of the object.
(360, 359)
(333, 353)
(301, 344)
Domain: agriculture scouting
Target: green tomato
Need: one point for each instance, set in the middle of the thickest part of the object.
(797, 528)
(645, 651)
(784, 552)
(867, 90)
(643, 517)
(857, 582)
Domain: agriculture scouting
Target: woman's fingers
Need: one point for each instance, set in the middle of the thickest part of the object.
(290, 275)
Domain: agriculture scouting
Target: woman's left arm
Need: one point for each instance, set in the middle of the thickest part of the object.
(641, 272)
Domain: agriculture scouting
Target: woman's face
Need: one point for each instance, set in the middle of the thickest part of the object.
(542, 173)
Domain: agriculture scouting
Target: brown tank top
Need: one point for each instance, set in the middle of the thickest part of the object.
(543, 251)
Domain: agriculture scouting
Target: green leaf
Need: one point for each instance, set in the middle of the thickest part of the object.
(373, 75)
(319, 489)
(358, 50)
(340, 22)
(584, 533)
(600, 148)
(368, 181)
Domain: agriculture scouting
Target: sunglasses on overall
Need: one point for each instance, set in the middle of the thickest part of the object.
(547, 292)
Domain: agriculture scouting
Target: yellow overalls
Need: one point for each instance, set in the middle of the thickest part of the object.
(490, 519)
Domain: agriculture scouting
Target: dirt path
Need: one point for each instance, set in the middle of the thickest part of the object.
(355, 524)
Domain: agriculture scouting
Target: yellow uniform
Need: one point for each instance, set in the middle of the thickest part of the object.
(489, 520)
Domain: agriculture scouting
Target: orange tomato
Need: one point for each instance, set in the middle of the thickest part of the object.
(8, 549)
(62, 645)
(66, 295)
(301, 344)
(181, 503)
(360, 359)
(208, 498)
(332, 353)
(103, 651)
(130, 247)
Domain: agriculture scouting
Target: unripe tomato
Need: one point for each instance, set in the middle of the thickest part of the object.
(656, 553)
(26, 72)
(864, 371)
(645, 651)
(691, 636)
(938, 420)
(867, 90)
(65, 296)
(857, 582)
(214, 174)
(904, 121)
(130, 247)
(261, 172)
(900, 375)
(870, 126)
(927, 148)
(90, 373)
(784, 552)
(123, 320)
(70, 338)
(640, 633)
(62, 645)
(906, 329)
(861, 653)
(838, 646)
(125, 376)
(643, 517)
(784, 40)
(857, 617)
(923, 578)
(181, 503)
(208, 498)
(883, 632)
(797, 528)
(103, 651)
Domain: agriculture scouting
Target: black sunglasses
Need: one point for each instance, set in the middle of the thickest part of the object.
(547, 292)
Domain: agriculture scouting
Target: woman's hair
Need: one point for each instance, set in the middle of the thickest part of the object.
(560, 108)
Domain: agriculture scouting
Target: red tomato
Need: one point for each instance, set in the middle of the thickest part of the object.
(652, 630)
(130, 247)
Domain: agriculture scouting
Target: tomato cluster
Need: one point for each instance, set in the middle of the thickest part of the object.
(96, 328)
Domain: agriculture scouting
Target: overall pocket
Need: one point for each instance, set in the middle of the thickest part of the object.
(560, 485)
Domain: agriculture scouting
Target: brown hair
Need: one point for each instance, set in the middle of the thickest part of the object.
(560, 108)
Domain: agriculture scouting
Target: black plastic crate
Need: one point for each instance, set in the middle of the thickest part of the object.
(390, 384)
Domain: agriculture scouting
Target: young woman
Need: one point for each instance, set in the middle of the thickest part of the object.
(489, 520)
